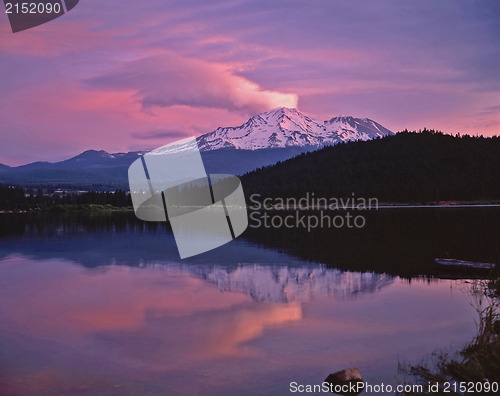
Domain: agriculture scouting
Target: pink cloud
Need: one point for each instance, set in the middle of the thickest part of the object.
(168, 80)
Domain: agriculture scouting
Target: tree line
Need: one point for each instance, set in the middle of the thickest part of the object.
(409, 167)
(19, 198)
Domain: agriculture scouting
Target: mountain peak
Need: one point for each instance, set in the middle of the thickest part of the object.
(288, 127)
(282, 111)
(92, 154)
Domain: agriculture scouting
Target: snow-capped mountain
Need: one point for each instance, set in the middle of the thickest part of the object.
(263, 140)
(284, 127)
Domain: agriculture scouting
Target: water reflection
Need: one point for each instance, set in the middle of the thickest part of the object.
(263, 274)
(66, 302)
(103, 305)
(284, 284)
(400, 242)
(116, 329)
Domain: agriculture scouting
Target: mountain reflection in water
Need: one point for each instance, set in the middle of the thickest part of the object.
(103, 305)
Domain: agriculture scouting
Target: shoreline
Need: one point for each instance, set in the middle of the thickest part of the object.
(104, 208)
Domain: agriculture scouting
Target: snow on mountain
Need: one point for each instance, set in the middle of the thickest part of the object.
(263, 140)
(282, 284)
(284, 127)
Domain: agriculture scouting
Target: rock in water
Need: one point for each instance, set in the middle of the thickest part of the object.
(346, 382)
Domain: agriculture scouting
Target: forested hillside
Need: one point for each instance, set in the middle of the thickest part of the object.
(409, 167)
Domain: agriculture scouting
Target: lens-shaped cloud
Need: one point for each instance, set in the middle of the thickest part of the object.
(169, 80)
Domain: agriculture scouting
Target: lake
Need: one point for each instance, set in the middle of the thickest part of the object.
(103, 305)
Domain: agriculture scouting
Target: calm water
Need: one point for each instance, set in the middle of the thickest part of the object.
(103, 306)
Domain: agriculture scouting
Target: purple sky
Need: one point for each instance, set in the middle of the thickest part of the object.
(124, 75)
